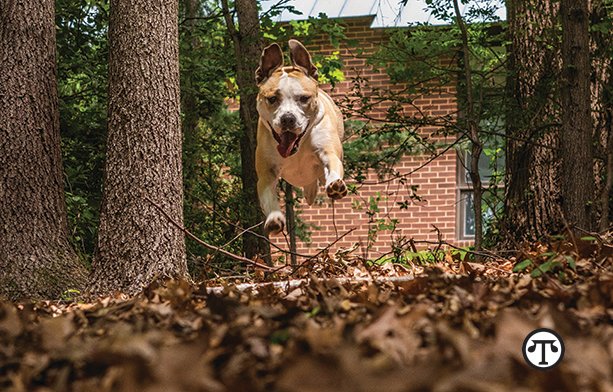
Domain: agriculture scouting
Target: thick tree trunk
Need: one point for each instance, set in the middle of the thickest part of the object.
(576, 136)
(36, 259)
(136, 243)
(248, 49)
(532, 202)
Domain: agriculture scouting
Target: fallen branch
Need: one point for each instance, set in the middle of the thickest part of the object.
(296, 283)
(206, 245)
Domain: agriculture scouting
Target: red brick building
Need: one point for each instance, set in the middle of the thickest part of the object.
(444, 208)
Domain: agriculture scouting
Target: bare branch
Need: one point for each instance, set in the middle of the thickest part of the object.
(206, 245)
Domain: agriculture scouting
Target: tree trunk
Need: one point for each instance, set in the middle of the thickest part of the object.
(189, 105)
(189, 110)
(136, 243)
(472, 127)
(247, 50)
(36, 259)
(532, 202)
(602, 111)
(576, 136)
(290, 217)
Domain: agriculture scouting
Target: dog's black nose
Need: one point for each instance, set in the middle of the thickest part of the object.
(288, 121)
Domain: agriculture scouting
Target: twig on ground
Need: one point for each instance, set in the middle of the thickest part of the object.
(296, 283)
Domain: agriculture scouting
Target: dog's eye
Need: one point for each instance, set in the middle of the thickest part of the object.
(304, 99)
(272, 100)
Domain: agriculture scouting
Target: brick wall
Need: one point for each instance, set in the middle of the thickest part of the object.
(436, 181)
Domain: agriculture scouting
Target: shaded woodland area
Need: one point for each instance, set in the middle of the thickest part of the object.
(132, 252)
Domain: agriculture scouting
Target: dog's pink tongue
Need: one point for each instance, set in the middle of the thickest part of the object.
(287, 143)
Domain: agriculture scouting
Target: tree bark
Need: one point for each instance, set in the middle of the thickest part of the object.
(576, 136)
(602, 112)
(532, 202)
(188, 97)
(472, 128)
(247, 50)
(290, 216)
(36, 259)
(136, 243)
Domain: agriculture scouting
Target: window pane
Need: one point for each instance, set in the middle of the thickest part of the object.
(469, 214)
(490, 202)
(485, 169)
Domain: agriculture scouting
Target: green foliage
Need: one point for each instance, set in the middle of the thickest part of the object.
(379, 147)
(425, 256)
(557, 263)
(426, 60)
(377, 221)
(82, 78)
(521, 266)
(412, 57)
(82, 221)
(70, 295)
(212, 186)
(211, 157)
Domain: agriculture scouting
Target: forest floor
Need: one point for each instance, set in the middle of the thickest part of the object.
(334, 324)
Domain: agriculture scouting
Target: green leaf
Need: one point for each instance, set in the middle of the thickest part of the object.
(522, 265)
(588, 238)
(571, 262)
(536, 273)
(545, 267)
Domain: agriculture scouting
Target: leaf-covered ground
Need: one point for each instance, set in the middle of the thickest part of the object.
(450, 326)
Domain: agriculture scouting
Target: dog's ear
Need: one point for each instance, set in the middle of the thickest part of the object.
(272, 58)
(301, 58)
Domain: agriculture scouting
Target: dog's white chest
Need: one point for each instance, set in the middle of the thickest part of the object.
(301, 169)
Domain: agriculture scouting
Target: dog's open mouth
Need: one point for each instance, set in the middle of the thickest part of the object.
(288, 142)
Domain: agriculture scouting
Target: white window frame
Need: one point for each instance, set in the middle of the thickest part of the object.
(464, 185)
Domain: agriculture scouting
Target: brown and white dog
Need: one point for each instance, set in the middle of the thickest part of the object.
(299, 132)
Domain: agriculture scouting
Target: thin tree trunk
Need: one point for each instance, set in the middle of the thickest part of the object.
(247, 50)
(532, 202)
(576, 136)
(473, 130)
(136, 243)
(188, 96)
(189, 110)
(290, 217)
(36, 259)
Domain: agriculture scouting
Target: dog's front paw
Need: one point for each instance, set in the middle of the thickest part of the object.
(336, 189)
(275, 223)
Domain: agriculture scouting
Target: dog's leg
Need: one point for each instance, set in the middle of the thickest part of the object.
(333, 173)
(275, 220)
(310, 192)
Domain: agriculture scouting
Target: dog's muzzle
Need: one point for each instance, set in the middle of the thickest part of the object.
(288, 142)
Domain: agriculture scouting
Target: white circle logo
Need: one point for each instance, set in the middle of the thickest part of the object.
(543, 348)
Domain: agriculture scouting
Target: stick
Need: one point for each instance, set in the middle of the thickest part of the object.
(295, 283)
(208, 246)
